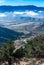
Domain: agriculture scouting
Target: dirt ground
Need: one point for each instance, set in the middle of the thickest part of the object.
(31, 61)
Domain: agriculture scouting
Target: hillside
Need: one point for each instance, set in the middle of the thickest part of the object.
(33, 47)
(23, 31)
(31, 53)
(29, 29)
(7, 35)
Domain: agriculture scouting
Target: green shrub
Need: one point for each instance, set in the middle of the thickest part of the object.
(6, 52)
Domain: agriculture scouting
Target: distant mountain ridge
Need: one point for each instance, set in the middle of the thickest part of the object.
(20, 8)
(20, 14)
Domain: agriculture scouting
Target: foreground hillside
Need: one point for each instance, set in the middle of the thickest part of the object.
(32, 49)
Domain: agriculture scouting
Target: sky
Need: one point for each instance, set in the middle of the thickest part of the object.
(39, 3)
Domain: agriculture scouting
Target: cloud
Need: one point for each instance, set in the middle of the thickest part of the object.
(26, 13)
(31, 14)
(39, 14)
(19, 13)
(15, 17)
(2, 15)
(1, 1)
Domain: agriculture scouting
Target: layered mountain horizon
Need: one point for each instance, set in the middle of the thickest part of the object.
(20, 14)
(28, 20)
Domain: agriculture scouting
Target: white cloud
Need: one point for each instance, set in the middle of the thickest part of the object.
(31, 13)
(19, 13)
(12, 15)
(2, 15)
(40, 11)
(26, 13)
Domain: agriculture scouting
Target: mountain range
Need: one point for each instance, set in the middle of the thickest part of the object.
(20, 8)
(20, 22)
(21, 14)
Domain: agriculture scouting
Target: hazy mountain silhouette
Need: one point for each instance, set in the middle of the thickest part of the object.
(20, 8)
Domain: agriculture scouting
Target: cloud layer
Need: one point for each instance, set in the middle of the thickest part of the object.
(39, 14)
(19, 16)
(2, 15)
